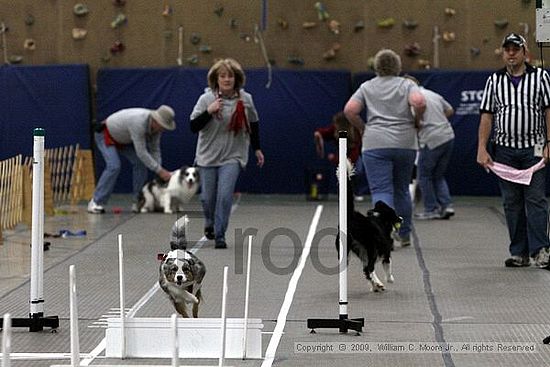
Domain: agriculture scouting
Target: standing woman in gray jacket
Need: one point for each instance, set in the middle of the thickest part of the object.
(227, 123)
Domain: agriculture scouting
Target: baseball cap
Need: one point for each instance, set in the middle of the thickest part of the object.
(515, 39)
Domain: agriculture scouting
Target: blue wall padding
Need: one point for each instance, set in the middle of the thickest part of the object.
(56, 98)
(295, 104)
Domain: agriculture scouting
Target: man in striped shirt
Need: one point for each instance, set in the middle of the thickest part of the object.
(516, 109)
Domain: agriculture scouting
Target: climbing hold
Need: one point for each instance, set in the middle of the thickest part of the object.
(195, 38)
(219, 10)
(295, 60)
(359, 26)
(501, 23)
(332, 52)
(449, 36)
(309, 25)
(15, 59)
(475, 51)
(412, 49)
(410, 24)
(80, 10)
(117, 47)
(119, 20)
(450, 12)
(386, 23)
(233, 23)
(167, 10)
(205, 49)
(29, 44)
(424, 64)
(245, 37)
(79, 33)
(334, 26)
(282, 23)
(193, 59)
(329, 55)
(322, 13)
(29, 19)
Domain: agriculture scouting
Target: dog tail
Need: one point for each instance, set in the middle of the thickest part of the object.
(178, 237)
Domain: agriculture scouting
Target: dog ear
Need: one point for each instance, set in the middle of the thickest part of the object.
(161, 257)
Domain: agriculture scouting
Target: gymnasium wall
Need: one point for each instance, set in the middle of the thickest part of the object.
(53, 97)
(57, 98)
(227, 27)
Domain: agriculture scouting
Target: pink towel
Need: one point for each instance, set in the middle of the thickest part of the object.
(520, 176)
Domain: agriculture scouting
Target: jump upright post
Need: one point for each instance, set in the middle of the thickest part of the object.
(36, 320)
(343, 323)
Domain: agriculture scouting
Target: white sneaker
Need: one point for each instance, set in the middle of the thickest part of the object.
(95, 208)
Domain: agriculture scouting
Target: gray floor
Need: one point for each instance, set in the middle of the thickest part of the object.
(451, 287)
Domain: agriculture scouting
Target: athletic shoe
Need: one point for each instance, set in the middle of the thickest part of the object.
(427, 215)
(209, 233)
(542, 259)
(517, 262)
(220, 244)
(447, 212)
(403, 240)
(95, 208)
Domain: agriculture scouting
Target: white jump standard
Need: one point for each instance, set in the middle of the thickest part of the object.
(343, 323)
(36, 320)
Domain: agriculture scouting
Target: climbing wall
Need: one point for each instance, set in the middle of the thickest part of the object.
(331, 34)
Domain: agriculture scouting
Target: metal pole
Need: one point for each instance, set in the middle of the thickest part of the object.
(73, 307)
(343, 220)
(176, 344)
(37, 226)
(247, 296)
(223, 318)
(122, 303)
(6, 340)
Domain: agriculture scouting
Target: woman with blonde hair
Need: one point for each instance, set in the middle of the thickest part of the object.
(227, 123)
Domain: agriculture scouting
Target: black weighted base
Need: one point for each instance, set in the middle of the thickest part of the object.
(546, 340)
(35, 322)
(343, 324)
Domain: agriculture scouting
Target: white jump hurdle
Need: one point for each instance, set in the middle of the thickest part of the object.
(190, 338)
(146, 338)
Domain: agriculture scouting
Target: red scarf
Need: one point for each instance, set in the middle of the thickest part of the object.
(238, 119)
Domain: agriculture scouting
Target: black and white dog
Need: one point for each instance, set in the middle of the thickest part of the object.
(181, 272)
(369, 237)
(170, 196)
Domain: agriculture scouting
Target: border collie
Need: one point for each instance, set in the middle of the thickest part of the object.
(369, 237)
(168, 197)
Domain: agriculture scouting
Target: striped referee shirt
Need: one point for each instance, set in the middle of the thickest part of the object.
(518, 112)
